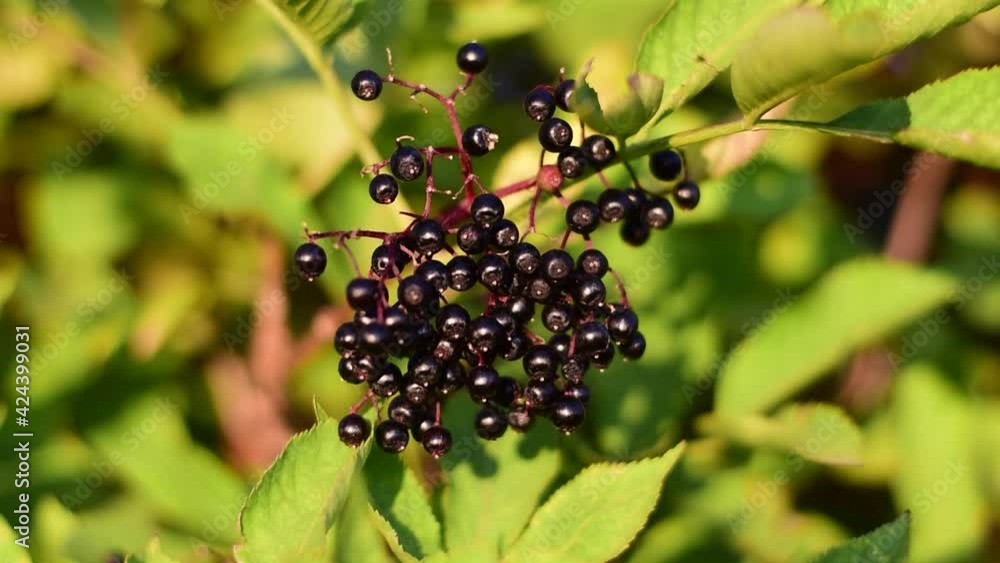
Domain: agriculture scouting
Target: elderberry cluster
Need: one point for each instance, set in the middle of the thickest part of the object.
(418, 343)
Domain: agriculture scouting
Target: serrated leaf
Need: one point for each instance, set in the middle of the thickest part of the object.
(817, 432)
(398, 498)
(853, 305)
(481, 478)
(322, 21)
(354, 536)
(957, 117)
(621, 116)
(887, 544)
(594, 517)
(289, 512)
(793, 50)
(906, 21)
(695, 40)
(388, 533)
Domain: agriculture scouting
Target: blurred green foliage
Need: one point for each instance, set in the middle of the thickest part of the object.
(159, 160)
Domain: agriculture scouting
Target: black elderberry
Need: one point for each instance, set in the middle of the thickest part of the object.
(362, 293)
(539, 104)
(434, 273)
(521, 308)
(436, 440)
(583, 217)
(452, 378)
(483, 383)
(539, 394)
(461, 273)
(666, 165)
(622, 324)
(472, 58)
(366, 85)
(634, 347)
(383, 266)
(588, 291)
(525, 258)
(486, 335)
(391, 436)
(540, 361)
(555, 135)
(564, 93)
(658, 213)
(388, 382)
(558, 316)
(540, 290)
(311, 260)
(507, 392)
(428, 236)
(560, 343)
(486, 210)
(453, 322)
(590, 338)
(406, 163)
(472, 238)
(687, 194)
(517, 345)
(349, 372)
(354, 430)
(490, 423)
(425, 369)
(602, 360)
(593, 262)
(572, 163)
(556, 265)
(478, 140)
(494, 273)
(615, 205)
(574, 369)
(578, 391)
(422, 427)
(413, 292)
(506, 319)
(446, 350)
(520, 419)
(635, 232)
(599, 150)
(404, 412)
(416, 393)
(373, 338)
(567, 414)
(504, 235)
(383, 189)
(346, 338)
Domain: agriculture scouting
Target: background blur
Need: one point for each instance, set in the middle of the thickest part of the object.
(158, 160)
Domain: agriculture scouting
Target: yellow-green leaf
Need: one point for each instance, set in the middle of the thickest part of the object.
(623, 115)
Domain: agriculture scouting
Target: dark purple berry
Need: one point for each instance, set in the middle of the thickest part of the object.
(634, 347)
(473, 239)
(383, 189)
(583, 217)
(461, 273)
(486, 210)
(539, 104)
(593, 262)
(599, 150)
(572, 163)
(615, 205)
(391, 436)
(483, 383)
(354, 430)
(311, 260)
(490, 423)
(437, 441)
(567, 414)
(472, 58)
(362, 293)
(478, 140)
(520, 419)
(555, 135)
(658, 213)
(666, 165)
(687, 194)
(407, 163)
(366, 85)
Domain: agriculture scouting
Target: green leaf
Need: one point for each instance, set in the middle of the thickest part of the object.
(321, 21)
(818, 432)
(388, 533)
(354, 537)
(696, 40)
(154, 554)
(793, 50)
(887, 544)
(957, 117)
(855, 304)
(289, 512)
(482, 476)
(907, 21)
(623, 115)
(594, 517)
(398, 498)
(936, 468)
(10, 551)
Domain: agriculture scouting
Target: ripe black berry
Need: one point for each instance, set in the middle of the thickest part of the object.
(539, 104)
(452, 378)
(494, 273)
(354, 430)
(572, 163)
(407, 163)
(486, 210)
(603, 359)
(437, 441)
(525, 258)
(413, 292)
(479, 140)
(578, 391)
(635, 232)
(346, 338)
(622, 324)
(348, 370)
(453, 322)
(434, 273)
(521, 308)
(540, 290)
(583, 216)
(687, 194)
(381, 264)
(615, 205)
(373, 338)
(599, 150)
(366, 85)
(567, 414)
(483, 383)
(540, 361)
(490, 423)
(311, 260)
(593, 262)
(575, 368)
(504, 235)
(383, 189)
(420, 428)
(588, 291)
(405, 412)
(424, 369)
(416, 393)
(564, 91)
(472, 238)
(591, 338)
(539, 394)
(555, 135)
(635, 347)
(520, 419)
(507, 392)
(388, 382)
(428, 236)
(558, 317)
(485, 334)
(362, 293)
(666, 165)
(517, 345)
(391, 436)
(560, 343)
(557, 265)
(658, 213)
(461, 273)
(472, 58)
